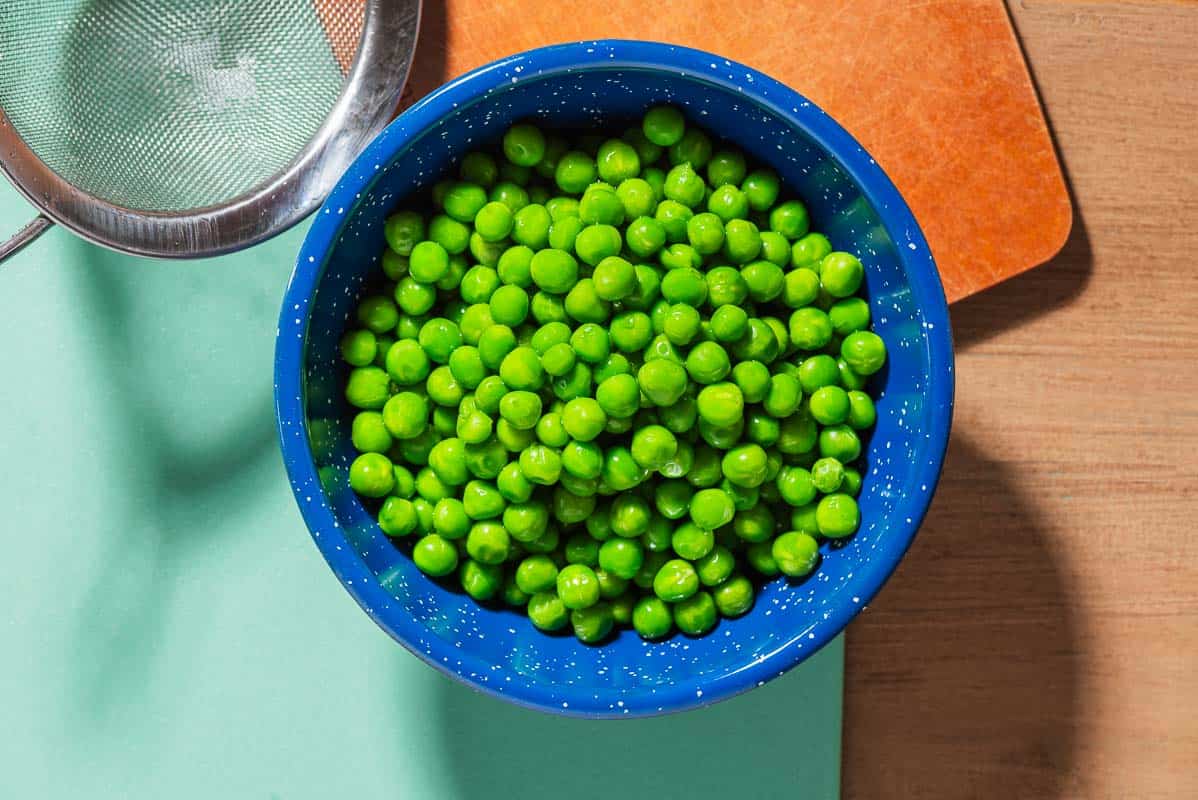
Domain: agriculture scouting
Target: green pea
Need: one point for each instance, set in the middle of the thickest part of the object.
(862, 414)
(637, 198)
(852, 482)
(570, 508)
(563, 233)
(521, 369)
(734, 597)
(416, 298)
(403, 230)
(577, 586)
(707, 363)
(810, 328)
(601, 205)
(829, 405)
(547, 611)
(705, 232)
(530, 227)
(524, 144)
(620, 470)
(406, 415)
(728, 203)
(508, 194)
(435, 556)
(761, 189)
(760, 557)
(583, 419)
(584, 304)
(816, 371)
(797, 434)
(582, 549)
(647, 151)
(706, 470)
(810, 250)
(695, 615)
(370, 475)
(369, 434)
(555, 148)
(514, 267)
(512, 484)
(663, 125)
(397, 517)
(715, 567)
(554, 271)
(644, 235)
(622, 557)
(662, 380)
(486, 253)
(512, 438)
(515, 173)
(597, 242)
(673, 217)
(721, 404)
(686, 285)
(693, 148)
(558, 359)
(840, 442)
(745, 465)
(711, 508)
(775, 248)
(651, 618)
(575, 383)
(826, 476)
(358, 348)
(849, 315)
(790, 219)
(673, 498)
(526, 520)
(753, 380)
(753, 524)
(841, 274)
(684, 185)
(545, 543)
(575, 171)
(416, 450)
(864, 352)
(536, 573)
(729, 323)
(540, 464)
(653, 447)
(614, 279)
(726, 167)
(837, 516)
(592, 624)
(675, 581)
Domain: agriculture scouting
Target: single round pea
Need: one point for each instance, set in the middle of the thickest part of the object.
(521, 369)
(829, 405)
(511, 483)
(864, 352)
(726, 167)
(852, 482)
(397, 517)
(591, 342)
(841, 274)
(558, 359)
(547, 542)
(840, 442)
(403, 230)
(584, 304)
(728, 203)
(684, 185)
(370, 475)
(764, 279)
(636, 195)
(478, 284)
(620, 470)
(555, 271)
(415, 451)
(597, 242)
(515, 266)
(817, 371)
(721, 437)
(837, 516)
(745, 465)
(495, 343)
(733, 597)
(796, 553)
(536, 573)
(549, 334)
(810, 250)
(522, 409)
(797, 434)
(705, 471)
(711, 508)
(540, 464)
(647, 151)
(406, 415)
(435, 556)
(742, 240)
(479, 580)
(810, 328)
(729, 323)
(582, 460)
(663, 125)
(449, 233)
(705, 232)
(575, 383)
(601, 205)
(438, 338)
(707, 363)
(575, 171)
(675, 581)
(673, 217)
(760, 557)
(512, 438)
(630, 331)
(715, 567)
(526, 520)
(651, 618)
(653, 446)
(693, 148)
(644, 236)
(721, 404)
(790, 219)
(530, 227)
(827, 474)
(493, 222)
(416, 298)
(583, 419)
(563, 233)
(695, 615)
(369, 434)
(775, 248)
(561, 207)
(524, 144)
(617, 161)
(509, 194)
(681, 323)
(663, 381)
(685, 285)
(691, 541)
(378, 314)
(450, 519)
(725, 286)
(577, 586)
(753, 524)
(582, 549)
(753, 380)
(800, 288)
(594, 623)
(849, 315)
(618, 396)
(547, 611)
(358, 348)
(622, 557)
(570, 508)
(614, 278)
(467, 366)
(761, 189)
(509, 305)
(862, 414)
(443, 388)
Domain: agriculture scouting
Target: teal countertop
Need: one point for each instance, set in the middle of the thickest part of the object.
(169, 630)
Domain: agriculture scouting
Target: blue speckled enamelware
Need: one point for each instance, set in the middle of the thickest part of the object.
(850, 199)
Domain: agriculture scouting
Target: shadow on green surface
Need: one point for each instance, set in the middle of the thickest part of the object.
(184, 351)
(774, 739)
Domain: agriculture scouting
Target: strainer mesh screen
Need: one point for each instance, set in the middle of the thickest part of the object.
(171, 105)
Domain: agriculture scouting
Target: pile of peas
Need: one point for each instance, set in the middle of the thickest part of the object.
(597, 373)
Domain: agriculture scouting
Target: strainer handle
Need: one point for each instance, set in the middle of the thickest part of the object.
(40, 224)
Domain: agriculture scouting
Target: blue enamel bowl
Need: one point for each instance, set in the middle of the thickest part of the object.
(850, 199)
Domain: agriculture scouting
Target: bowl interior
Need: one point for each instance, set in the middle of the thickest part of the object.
(498, 649)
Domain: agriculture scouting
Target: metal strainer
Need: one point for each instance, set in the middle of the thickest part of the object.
(189, 128)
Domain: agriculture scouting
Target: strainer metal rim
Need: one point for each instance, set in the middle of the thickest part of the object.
(366, 104)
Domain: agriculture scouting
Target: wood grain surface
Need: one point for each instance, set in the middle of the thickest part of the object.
(1041, 638)
(936, 90)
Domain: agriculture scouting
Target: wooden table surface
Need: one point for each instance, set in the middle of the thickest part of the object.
(1041, 638)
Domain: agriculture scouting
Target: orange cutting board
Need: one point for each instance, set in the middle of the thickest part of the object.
(936, 90)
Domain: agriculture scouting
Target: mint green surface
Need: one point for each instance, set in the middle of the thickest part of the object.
(168, 629)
